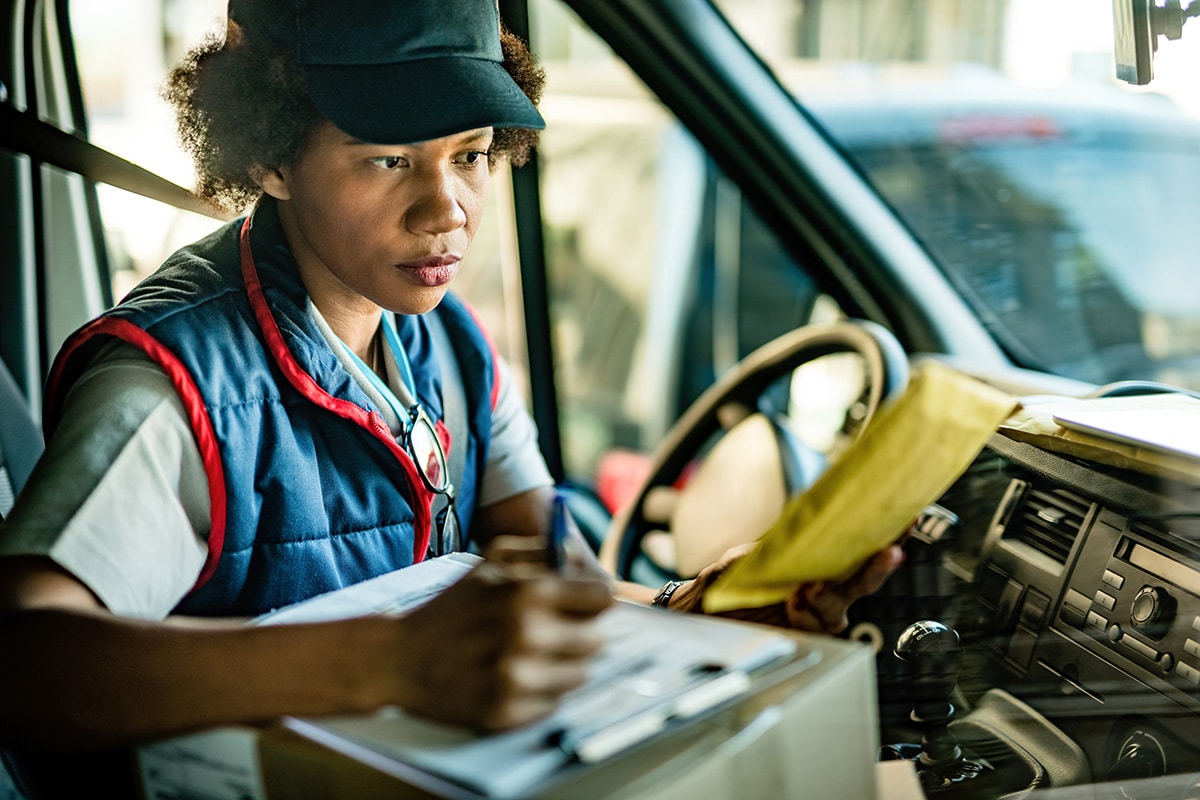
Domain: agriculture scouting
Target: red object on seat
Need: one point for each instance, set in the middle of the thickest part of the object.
(620, 473)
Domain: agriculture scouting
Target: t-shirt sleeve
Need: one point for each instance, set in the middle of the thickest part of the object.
(120, 498)
(515, 462)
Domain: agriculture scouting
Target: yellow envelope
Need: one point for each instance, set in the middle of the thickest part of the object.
(911, 453)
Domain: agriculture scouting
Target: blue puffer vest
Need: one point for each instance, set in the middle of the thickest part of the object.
(309, 491)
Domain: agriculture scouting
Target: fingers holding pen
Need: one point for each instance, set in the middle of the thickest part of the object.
(510, 639)
(549, 637)
(516, 550)
(537, 610)
(575, 559)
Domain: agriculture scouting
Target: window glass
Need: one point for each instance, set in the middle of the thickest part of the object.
(127, 117)
(121, 83)
(661, 277)
(1047, 190)
(490, 278)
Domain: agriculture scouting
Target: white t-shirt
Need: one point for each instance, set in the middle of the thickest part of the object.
(120, 498)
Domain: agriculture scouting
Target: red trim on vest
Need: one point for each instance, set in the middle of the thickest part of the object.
(492, 346)
(193, 406)
(443, 434)
(310, 389)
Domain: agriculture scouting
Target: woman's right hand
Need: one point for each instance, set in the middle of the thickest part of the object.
(501, 646)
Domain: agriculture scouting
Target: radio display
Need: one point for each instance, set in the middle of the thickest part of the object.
(1165, 567)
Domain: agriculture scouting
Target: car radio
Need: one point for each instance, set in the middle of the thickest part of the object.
(1134, 590)
(1086, 601)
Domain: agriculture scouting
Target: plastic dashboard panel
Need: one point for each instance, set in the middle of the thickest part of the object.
(1082, 598)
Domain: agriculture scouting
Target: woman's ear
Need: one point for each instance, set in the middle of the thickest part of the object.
(273, 182)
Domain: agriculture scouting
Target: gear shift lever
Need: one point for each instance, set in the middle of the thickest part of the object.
(935, 655)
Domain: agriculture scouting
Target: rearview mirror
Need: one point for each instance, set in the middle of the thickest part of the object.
(1137, 24)
(1134, 41)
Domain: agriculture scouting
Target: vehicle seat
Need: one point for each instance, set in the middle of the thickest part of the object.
(21, 441)
(21, 445)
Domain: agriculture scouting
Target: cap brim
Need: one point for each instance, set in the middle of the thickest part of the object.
(415, 101)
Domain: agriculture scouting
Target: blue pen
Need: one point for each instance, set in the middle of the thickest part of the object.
(556, 544)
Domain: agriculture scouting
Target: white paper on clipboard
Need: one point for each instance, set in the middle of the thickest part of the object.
(654, 661)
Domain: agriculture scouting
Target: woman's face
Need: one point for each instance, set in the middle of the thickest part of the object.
(381, 225)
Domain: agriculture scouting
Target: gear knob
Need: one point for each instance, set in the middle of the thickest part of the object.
(934, 653)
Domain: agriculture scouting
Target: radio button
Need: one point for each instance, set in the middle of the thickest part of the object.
(1113, 579)
(1188, 673)
(1141, 648)
(1192, 647)
(1107, 601)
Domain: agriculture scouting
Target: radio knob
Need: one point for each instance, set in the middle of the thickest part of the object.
(1153, 611)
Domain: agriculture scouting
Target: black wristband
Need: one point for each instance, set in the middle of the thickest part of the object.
(663, 598)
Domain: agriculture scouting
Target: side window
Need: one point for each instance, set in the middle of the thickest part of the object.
(127, 117)
(490, 278)
(48, 210)
(661, 276)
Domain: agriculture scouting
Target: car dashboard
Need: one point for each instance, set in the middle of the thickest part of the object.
(1074, 589)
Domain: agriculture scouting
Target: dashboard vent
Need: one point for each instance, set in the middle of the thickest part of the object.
(1049, 522)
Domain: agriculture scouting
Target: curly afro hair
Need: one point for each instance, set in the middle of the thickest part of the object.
(241, 107)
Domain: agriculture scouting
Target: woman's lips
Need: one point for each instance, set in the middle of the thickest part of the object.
(432, 271)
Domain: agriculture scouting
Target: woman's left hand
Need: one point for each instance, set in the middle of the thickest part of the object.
(822, 606)
(818, 607)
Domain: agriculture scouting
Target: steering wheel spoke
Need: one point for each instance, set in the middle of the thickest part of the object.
(753, 460)
(659, 504)
(730, 414)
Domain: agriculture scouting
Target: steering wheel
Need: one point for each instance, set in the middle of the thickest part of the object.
(743, 481)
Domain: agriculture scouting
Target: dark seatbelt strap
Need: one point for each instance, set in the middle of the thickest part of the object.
(23, 132)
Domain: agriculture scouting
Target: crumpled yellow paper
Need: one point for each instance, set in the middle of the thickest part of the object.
(911, 453)
(1035, 425)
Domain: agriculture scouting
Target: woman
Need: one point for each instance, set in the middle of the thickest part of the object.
(262, 419)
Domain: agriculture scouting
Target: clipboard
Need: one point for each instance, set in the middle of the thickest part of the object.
(659, 671)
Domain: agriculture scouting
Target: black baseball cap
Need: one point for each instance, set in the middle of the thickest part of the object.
(396, 71)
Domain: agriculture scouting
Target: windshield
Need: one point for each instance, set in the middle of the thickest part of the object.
(1053, 196)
